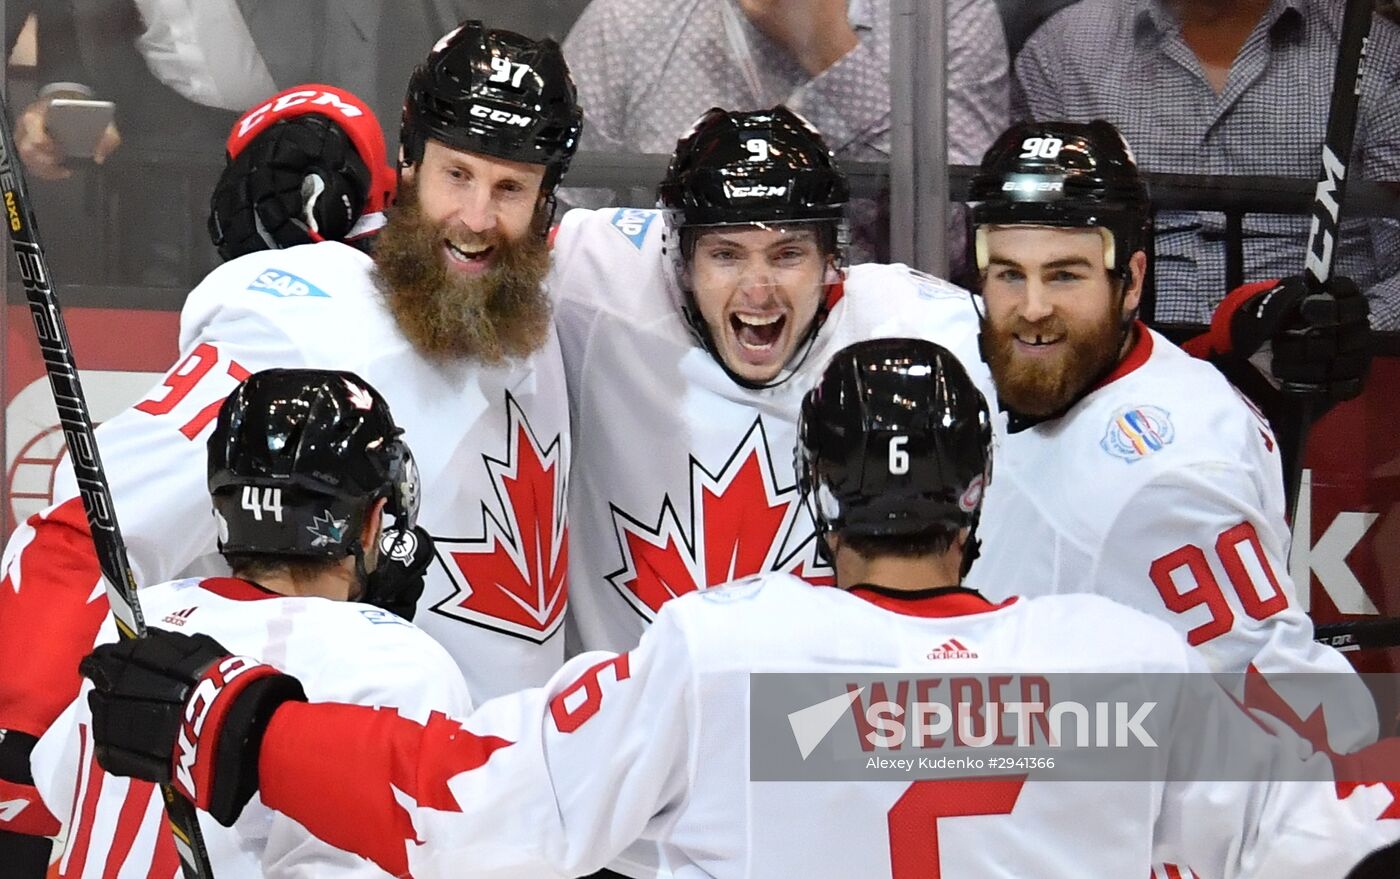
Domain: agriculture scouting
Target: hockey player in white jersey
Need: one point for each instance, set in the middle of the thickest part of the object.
(896, 449)
(1130, 469)
(689, 358)
(306, 472)
(448, 319)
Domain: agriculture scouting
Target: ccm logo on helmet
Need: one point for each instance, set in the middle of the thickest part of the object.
(293, 99)
(504, 116)
(756, 191)
(206, 692)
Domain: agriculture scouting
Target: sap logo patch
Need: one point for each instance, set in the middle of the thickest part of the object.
(383, 617)
(1134, 432)
(740, 590)
(633, 224)
(285, 285)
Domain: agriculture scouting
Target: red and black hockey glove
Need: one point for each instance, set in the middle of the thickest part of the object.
(1321, 342)
(396, 583)
(303, 167)
(179, 709)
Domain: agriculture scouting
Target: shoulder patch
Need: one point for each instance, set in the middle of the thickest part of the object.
(633, 223)
(380, 617)
(1134, 432)
(285, 285)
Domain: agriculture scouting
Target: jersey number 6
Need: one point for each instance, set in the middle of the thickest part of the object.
(1206, 591)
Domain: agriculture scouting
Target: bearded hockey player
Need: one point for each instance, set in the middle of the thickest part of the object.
(448, 320)
(895, 451)
(306, 471)
(1130, 469)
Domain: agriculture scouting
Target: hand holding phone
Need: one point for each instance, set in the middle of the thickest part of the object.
(79, 126)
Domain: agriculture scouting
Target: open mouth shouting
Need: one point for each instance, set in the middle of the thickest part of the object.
(471, 259)
(757, 337)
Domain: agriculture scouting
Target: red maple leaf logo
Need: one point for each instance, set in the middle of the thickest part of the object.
(741, 523)
(513, 577)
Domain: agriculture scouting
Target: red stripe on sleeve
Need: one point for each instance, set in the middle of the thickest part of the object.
(364, 754)
(133, 812)
(80, 834)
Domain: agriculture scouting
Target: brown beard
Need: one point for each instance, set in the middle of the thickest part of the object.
(501, 314)
(1041, 390)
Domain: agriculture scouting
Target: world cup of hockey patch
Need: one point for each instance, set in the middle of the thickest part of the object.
(1135, 432)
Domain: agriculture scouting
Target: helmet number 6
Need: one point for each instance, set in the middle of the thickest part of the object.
(899, 459)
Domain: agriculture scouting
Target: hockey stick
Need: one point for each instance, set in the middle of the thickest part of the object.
(1374, 634)
(82, 447)
(1325, 236)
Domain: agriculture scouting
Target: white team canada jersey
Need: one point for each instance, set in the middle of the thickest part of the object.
(341, 651)
(1162, 489)
(491, 444)
(656, 742)
(684, 479)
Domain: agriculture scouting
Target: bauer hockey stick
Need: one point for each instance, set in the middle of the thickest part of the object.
(82, 447)
(1325, 237)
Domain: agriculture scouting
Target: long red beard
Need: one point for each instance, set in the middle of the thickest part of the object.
(490, 318)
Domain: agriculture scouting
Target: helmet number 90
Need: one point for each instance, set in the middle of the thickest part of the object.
(758, 149)
(270, 503)
(899, 458)
(1041, 147)
(504, 70)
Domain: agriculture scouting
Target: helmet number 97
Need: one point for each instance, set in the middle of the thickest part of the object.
(899, 458)
(758, 149)
(270, 503)
(1041, 147)
(504, 70)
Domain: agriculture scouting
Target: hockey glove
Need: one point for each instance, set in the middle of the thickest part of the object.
(396, 583)
(299, 177)
(1321, 343)
(178, 709)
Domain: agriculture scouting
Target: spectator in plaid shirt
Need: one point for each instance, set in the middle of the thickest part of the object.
(1211, 87)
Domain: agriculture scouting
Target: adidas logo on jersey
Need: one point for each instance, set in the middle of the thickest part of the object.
(179, 617)
(952, 649)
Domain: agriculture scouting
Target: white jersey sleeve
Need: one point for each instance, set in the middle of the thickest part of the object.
(554, 781)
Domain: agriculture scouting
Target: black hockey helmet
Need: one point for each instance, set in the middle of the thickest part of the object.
(298, 458)
(762, 166)
(1069, 174)
(498, 93)
(895, 440)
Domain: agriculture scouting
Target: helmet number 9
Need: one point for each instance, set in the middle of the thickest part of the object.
(504, 70)
(758, 149)
(1041, 147)
(270, 503)
(899, 458)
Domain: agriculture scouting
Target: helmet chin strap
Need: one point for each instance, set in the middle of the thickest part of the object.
(361, 574)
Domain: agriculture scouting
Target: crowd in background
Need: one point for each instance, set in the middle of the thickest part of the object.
(1197, 86)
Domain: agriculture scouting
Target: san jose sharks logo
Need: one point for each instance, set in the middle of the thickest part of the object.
(741, 521)
(512, 577)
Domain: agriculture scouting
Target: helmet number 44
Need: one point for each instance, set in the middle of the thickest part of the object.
(270, 502)
(899, 458)
(504, 70)
(1041, 147)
